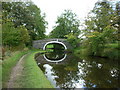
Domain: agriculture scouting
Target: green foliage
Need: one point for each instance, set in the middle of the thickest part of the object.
(101, 32)
(72, 39)
(22, 23)
(25, 14)
(66, 23)
(113, 45)
(81, 52)
(24, 34)
(50, 46)
(111, 53)
(11, 36)
(95, 42)
(100, 29)
(14, 36)
(109, 34)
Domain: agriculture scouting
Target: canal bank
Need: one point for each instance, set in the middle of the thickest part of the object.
(30, 75)
(110, 51)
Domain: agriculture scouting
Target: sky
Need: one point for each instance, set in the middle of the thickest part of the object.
(54, 8)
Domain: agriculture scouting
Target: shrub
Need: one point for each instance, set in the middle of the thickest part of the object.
(111, 53)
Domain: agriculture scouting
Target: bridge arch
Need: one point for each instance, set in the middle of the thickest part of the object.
(41, 44)
(54, 42)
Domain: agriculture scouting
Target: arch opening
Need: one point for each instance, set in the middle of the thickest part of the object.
(55, 42)
(56, 51)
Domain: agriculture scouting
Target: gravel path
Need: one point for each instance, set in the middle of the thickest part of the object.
(16, 73)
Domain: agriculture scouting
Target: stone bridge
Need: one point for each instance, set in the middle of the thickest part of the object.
(41, 44)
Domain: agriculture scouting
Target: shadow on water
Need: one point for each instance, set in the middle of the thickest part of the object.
(73, 72)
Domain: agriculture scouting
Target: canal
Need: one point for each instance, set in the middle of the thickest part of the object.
(65, 70)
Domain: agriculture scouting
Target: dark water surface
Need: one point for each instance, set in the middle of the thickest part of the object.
(74, 72)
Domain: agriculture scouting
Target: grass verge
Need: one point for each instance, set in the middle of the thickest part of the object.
(32, 76)
(8, 64)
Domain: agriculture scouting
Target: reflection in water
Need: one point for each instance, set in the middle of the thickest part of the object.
(60, 81)
(63, 75)
(100, 72)
(55, 56)
(78, 73)
(50, 74)
(89, 72)
(56, 53)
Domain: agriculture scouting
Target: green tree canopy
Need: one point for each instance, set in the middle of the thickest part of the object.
(100, 17)
(14, 36)
(66, 23)
(100, 28)
(25, 14)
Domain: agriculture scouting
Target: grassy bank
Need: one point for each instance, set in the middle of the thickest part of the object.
(32, 76)
(8, 64)
(110, 51)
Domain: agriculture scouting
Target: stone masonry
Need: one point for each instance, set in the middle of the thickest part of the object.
(39, 44)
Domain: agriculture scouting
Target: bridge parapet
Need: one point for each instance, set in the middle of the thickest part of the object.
(39, 44)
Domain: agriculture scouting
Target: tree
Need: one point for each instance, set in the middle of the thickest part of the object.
(116, 21)
(14, 36)
(25, 37)
(66, 23)
(99, 28)
(25, 14)
(73, 40)
(11, 36)
(101, 16)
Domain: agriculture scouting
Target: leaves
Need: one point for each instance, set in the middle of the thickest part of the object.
(73, 40)
(11, 36)
(14, 36)
(25, 14)
(66, 23)
(99, 29)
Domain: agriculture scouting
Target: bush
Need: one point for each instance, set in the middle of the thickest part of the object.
(81, 52)
(73, 40)
(113, 45)
(111, 53)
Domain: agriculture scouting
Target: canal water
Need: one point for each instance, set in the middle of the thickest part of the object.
(65, 70)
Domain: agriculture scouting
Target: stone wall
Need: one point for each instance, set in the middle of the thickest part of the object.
(39, 44)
